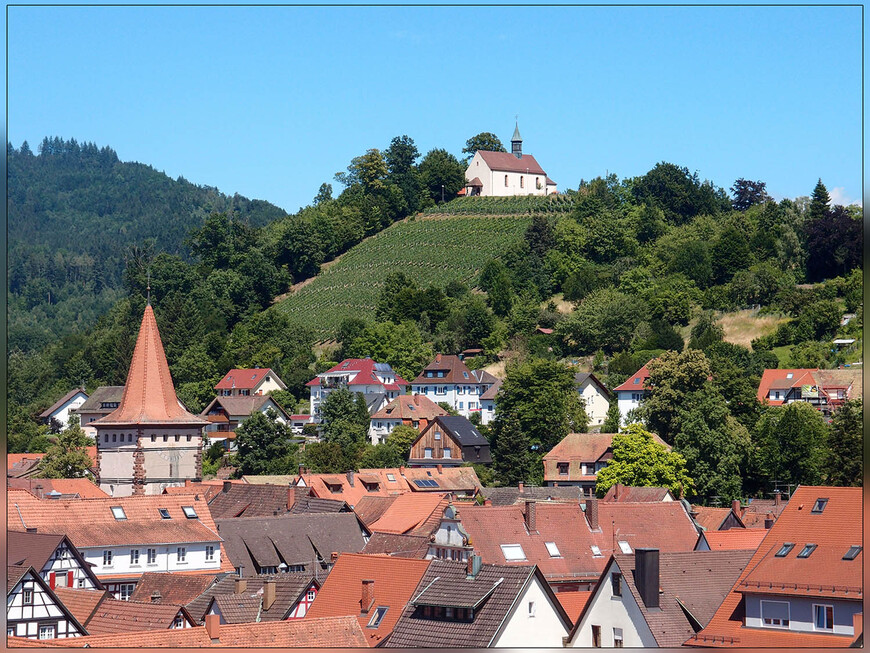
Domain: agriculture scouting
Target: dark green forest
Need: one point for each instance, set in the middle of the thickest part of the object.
(646, 265)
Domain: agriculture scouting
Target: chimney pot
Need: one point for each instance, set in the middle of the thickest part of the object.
(592, 512)
(472, 565)
(437, 358)
(777, 497)
(530, 516)
(227, 486)
(268, 594)
(520, 486)
(768, 520)
(240, 586)
(646, 574)
(368, 596)
(213, 626)
(334, 557)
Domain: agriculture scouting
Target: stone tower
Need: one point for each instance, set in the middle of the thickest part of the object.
(150, 441)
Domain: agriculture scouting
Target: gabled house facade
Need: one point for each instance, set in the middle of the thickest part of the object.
(53, 557)
(826, 390)
(595, 395)
(59, 412)
(415, 411)
(448, 380)
(102, 401)
(33, 611)
(449, 441)
(631, 393)
(225, 413)
(249, 383)
(488, 401)
(377, 382)
(248, 600)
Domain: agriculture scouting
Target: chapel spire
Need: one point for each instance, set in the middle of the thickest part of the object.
(517, 142)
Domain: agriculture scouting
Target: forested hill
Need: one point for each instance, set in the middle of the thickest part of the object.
(74, 209)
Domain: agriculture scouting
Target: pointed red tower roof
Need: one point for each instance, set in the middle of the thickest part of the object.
(149, 396)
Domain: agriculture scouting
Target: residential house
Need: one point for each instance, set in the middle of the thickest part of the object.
(22, 465)
(758, 513)
(225, 413)
(481, 605)
(243, 500)
(449, 441)
(101, 613)
(150, 441)
(57, 415)
(826, 390)
(33, 610)
(803, 586)
(377, 382)
(248, 600)
(102, 401)
(290, 543)
(631, 393)
(28, 465)
(571, 543)
(448, 380)
(122, 537)
(487, 402)
(352, 486)
(620, 492)
(652, 599)
(461, 482)
(415, 411)
(298, 422)
(595, 395)
(335, 632)
(450, 541)
(53, 557)
(68, 488)
(414, 513)
(507, 173)
(373, 589)
(578, 458)
(249, 382)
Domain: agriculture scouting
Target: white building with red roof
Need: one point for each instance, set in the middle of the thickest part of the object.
(248, 382)
(507, 173)
(824, 389)
(377, 382)
(448, 380)
(631, 393)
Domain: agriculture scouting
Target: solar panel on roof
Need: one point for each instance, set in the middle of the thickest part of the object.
(383, 367)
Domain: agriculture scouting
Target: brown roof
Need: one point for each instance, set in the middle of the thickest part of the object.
(244, 606)
(103, 394)
(474, 182)
(710, 518)
(492, 391)
(173, 588)
(14, 573)
(664, 525)
(350, 489)
(60, 402)
(332, 632)
(400, 546)
(31, 549)
(823, 574)
(410, 407)
(240, 405)
(238, 500)
(19, 464)
(578, 448)
(82, 487)
(448, 479)
(395, 580)
(507, 162)
(842, 378)
(493, 592)
(619, 492)
(204, 489)
(116, 616)
(149, 396)
(371, 509)
(455, 371)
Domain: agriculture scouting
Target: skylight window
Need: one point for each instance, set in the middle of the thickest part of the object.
(785, 550)
(391, 477)
(807, 550)
(118, 513)
(189, 512)
(553, 550)
(636, 380)
(820, 505)
(789, 375)
(624, 547)
(164, 513)
(596, 552)
(513, 552)
(852, 553)
(465, 374)
(378, 615)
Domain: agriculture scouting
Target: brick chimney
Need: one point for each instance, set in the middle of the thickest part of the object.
(240, 586)
(402, 471)
(268, 594)
(616, 492)
(735, 507)
(437, 358)
(155, 597)
(291, 497)
(646, 576)
(227, 486)
(768, 520)
(472, 565)
(520, 486)
(213, 627)
(38, 489)
(777, 498)
(350, 477)
(367, 597)
(334, 557)
(530, 516)
(592, 512)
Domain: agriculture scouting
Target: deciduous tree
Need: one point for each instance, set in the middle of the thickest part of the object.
(68, 457)
(791, 443)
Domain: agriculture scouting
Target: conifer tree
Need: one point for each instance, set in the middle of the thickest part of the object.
(820, 201)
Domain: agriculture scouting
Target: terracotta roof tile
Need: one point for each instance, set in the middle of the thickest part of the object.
(636, 382)
(81, 603)
(710, 518)
(400, 546)
(508, 496)
(735, 539)
(578, 448)
(448, 479)
(239, 500)
(395, 580)
(573, 602)
(619, 492)
(412, 514)
(149, 396)
(779, 378)
(115, 616)
(410, 407)
(244, 605)
(83, 487)
(244, 379)
(371, 509)
(172, 588)
(823, 574)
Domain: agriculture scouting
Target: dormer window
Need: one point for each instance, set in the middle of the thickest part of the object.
(819, 506)
(118, 513)
(784, 550)
(852, 553)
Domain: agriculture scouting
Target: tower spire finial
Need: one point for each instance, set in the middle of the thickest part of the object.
(148, 287)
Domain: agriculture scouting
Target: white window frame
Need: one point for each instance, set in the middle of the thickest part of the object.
(427, 452)
(209, 552)
(445, 453)
(151, 556)
(49, 627)
(181, 555)
(779, 626)
(108, 557)
(553, 550)
(125, 591)
(513, 552)
(134, 557)
(816, 628)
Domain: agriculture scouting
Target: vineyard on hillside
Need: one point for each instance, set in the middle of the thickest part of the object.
(528, 205)
(432, 252)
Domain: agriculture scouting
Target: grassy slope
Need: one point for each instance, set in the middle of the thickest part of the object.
(432, 250)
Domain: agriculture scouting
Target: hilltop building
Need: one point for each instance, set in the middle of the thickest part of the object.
(503, 174)
(150, 441)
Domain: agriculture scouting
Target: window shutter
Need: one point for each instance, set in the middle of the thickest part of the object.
(69, 579)
(51, 578)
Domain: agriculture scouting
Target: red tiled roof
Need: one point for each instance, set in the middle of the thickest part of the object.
(710, 518)
(507, 162)
(619, 492)
(81, 603)
(735, 538)
(573, 602)
(338, 486)
(395, 580)
(173, 588)
(116, 616)
(336, 632)
(243, 379)
(414, 513)
(410, 407)
(778, 379)
(149, 396)
(455, 371)
(365, 368)
(823, 574)
(15, 458)
(81, 486)
(637, 381)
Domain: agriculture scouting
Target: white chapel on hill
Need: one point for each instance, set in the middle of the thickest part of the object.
(502, 174)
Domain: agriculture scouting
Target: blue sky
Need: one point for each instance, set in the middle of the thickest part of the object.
(270, 102)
